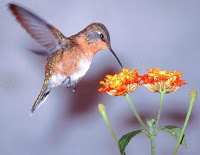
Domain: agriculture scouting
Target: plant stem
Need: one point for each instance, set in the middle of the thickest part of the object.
(184, 126)
(162, 94)
(109, 126)
(102, 110)
(152, 139)
(137, 115)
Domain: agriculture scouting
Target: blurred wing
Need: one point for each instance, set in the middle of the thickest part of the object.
(45, 34)
(40, 52)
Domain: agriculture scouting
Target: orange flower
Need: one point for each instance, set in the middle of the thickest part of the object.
(120, 84)
(162, 81)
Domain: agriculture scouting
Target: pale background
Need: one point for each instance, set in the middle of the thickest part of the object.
(144, 34)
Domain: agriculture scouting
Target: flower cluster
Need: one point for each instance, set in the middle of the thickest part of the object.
(162, 81)
(120, 84)
(156, 81)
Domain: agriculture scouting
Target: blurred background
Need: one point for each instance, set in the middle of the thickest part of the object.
(144, 34)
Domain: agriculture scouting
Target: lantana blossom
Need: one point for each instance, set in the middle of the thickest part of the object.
(121, 84)
(162, 81)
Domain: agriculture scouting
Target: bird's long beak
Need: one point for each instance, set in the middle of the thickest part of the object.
(110, 49)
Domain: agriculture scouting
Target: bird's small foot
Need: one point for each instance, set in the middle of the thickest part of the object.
(74, 89)
(67, 82)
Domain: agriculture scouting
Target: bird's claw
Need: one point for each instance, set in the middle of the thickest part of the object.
(74, 89)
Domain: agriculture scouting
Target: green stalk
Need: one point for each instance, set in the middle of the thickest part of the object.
(109, 126)
(162, 94)
(152, 136)
(152, 139)
(193, 96)
(102, 110)
(137, 115)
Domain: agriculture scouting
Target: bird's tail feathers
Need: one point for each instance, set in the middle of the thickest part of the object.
(41, 98)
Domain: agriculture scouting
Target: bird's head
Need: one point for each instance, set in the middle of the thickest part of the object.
(98, 38)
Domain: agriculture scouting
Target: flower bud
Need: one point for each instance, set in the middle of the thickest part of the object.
(101, 108)
(193, 94)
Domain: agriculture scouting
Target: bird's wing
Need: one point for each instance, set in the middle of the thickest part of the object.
(47, 35)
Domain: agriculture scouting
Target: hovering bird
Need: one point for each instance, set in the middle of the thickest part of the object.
(69, 57)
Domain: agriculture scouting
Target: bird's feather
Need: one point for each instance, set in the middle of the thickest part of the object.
(41, 97)
(47, 35)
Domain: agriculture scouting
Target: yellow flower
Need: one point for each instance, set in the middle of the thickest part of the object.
(120, 84)
(162, 81)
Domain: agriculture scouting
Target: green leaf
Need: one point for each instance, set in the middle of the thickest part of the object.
(175, 132)
(125, 139)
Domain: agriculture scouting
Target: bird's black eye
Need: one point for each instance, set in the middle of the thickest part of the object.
(102, 37)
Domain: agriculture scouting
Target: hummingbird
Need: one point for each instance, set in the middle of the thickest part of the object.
(69, 58)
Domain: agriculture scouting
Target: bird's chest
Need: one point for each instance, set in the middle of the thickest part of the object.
(72, 67)
(61, 78)
(82, 67)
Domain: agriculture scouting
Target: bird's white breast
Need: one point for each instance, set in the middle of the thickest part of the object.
(60, 79)
(84, 65)
(57, 80)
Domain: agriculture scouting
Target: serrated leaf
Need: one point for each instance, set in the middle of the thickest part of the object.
(175, 132)
(125, 139)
